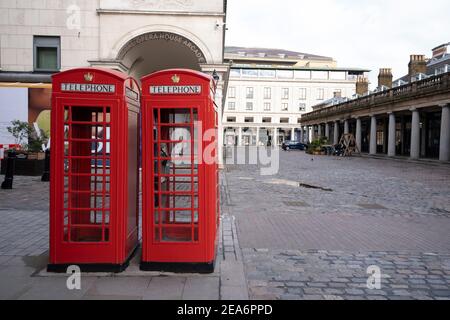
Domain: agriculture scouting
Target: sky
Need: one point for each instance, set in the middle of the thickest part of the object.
(370, 34)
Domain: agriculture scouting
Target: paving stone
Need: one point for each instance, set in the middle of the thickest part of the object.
(55, 289)
(201, 288)
(441, 293)
(313, 291)
(376, 297)
(233, 293)
(357, 298)
(354, 291)
(119, 286)
(312, 297)
(165, 288)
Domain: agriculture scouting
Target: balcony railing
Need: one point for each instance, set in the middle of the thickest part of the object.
(433, 85)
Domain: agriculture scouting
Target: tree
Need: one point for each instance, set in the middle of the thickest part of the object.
(27, 137)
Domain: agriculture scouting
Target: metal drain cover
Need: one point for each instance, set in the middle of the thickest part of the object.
(371, 206)
(296, 204)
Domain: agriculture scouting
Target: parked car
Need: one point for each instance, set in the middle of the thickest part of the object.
(293, 145)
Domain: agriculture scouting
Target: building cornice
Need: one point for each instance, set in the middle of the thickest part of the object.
(161, 13)
(298, 68)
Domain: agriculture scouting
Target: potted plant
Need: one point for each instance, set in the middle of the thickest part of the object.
(316, 146)
(30, 140)
(30, 156)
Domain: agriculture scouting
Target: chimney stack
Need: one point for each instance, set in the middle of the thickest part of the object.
(362, 86)
(417, 64)
(385, 78)
(440, 51)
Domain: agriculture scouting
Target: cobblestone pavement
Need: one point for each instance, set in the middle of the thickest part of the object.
(311, 231)
(24, 219)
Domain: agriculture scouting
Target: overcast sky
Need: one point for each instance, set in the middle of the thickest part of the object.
(366, 34)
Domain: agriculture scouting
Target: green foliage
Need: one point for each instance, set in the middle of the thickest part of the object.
(23, 132)
(317, 144)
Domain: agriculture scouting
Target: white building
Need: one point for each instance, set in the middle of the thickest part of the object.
(269, 90)
(138, 37)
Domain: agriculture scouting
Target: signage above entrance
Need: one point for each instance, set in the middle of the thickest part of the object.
(176, 89)
(165, 36)
(88, 88)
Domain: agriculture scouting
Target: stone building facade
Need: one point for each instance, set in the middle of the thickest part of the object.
(269, 91)
(408, 117)
(138, 37)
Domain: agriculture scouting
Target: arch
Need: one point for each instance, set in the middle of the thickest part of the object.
(126, 39)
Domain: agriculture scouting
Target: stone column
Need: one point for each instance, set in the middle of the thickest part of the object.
(423, 136)
(373, 135)
(275, 138)
(240, 137)
(391, 136)
(257, 136)
(306, 134)
(358, 134)
(327, 131)
(346, 127)
(415, 134)
(320, 133)
(293, 137)
(336, 132)
(444, 149)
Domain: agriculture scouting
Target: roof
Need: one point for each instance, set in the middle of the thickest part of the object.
(273, 53)
(330, 102)
(432, 65)
(263, 67)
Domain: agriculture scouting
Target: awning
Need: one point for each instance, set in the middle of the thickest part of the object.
(25, 85)
(25, 77)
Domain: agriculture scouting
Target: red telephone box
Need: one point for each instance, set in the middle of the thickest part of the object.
(94, 207)
(180, 210)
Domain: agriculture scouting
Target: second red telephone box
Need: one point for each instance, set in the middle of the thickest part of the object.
(94, 191)
(180, 172)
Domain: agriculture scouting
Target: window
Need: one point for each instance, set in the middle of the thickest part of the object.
(284, 120)
(267, 120)
(302, 94)
(250, 73)
(321, 75)
(47, 53)
(285, 74)
(320, 94)
(302, 107)
(231, 106)
(249, 106)
(267, 106)
(267, 73)
(231, 119)
(285, 93)
(284, 107)
(337, 93)
(250, 93)
(299, 120)
(235, 73)
(267, 93)
(232, 92)
(300, 74)
(249, 120)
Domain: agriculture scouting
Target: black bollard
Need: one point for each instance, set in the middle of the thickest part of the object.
(10, 165)
(46, 175)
